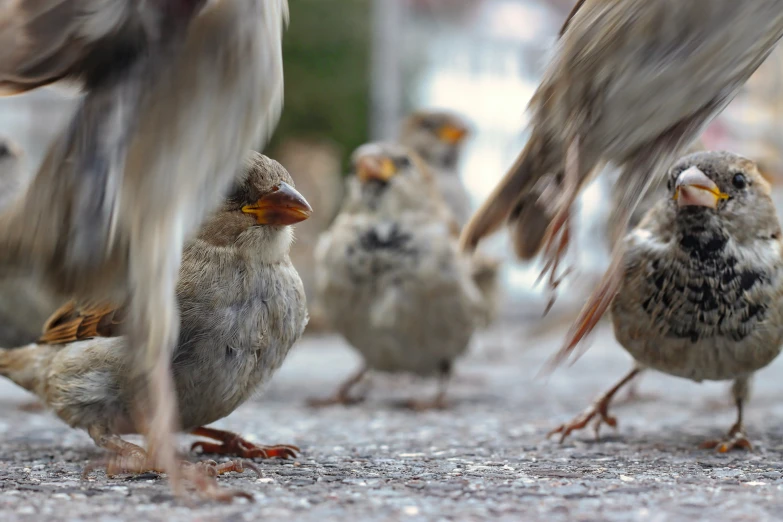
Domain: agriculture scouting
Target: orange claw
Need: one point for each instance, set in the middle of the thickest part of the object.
(736, 439)
(600, 409)
(232, 444)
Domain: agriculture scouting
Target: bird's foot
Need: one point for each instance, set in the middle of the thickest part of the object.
(213, 469)
(736, 439)
(233, 444)
(598, 411)
(133, 460)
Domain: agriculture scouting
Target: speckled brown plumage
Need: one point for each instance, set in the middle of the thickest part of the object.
(701, 295)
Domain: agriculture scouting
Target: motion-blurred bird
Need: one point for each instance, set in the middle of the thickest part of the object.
(438, 137)
(701, 293)
(632, 82)
(390, 278)
(176, 92)
(242, 307)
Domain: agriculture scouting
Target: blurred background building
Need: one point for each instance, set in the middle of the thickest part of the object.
(354, 68)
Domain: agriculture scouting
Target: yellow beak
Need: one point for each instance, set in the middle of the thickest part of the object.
(452, 134)
(695, 189)
(372, 167)
(283, 206)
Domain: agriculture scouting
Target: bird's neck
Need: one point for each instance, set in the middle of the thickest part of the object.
(700, 235)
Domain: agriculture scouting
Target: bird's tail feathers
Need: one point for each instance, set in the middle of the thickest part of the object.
(535, 161)
(25, 366)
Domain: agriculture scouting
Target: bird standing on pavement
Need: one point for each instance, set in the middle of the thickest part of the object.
(438, 137)
(176, 92)
(632, 82)
(242, 307)
(389, 276)
(701, 293)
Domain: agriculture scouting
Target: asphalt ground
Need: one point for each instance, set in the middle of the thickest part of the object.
(487, 456)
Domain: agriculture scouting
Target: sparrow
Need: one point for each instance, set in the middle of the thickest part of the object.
(175, 93)
(242, 307)
(438, 137)
(389, 276)
(632, 83)
(701, 292)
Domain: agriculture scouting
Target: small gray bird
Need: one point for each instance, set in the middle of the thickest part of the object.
(631, 82)
(389, 276)
(701, 294)
(438, 137)
(176, 93)
(242, 307)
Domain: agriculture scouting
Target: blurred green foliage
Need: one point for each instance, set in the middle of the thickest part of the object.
(326, 55)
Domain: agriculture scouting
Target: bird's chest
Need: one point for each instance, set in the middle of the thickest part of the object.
(237, 347)
(381, 255)
(703, 311)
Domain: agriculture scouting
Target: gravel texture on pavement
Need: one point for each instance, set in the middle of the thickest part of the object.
(486, 457)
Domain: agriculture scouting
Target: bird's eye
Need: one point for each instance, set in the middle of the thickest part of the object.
(669, 184)
(403, 162)
(428, 125)
(739, 181)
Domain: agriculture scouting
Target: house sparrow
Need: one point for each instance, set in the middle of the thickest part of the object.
(631, 82)
(176, 92)
(242, 307)
(438, 138)
(701, 293)
(389, 276)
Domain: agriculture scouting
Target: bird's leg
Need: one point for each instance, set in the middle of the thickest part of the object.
(156, 249)
(438, 402)
(343, 395)
(126, 457)
(600, 409)
(736, 438)
(233, 444)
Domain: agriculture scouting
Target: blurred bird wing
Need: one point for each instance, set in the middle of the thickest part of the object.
(43, 41)
(76, 322)
(681, 41)
(576, 8)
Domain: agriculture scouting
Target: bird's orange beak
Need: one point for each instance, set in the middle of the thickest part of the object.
(283, 206)
(372, 167)
(452, 134)
(695, 189)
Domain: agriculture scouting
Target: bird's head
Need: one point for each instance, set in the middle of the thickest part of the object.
(259, 209)
(711, 187)
(388, 178)
(437, 136)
